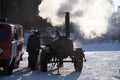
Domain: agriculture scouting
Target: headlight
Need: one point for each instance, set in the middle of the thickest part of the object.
(1, 50)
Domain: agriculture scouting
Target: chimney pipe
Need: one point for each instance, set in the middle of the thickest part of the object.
(67, 24)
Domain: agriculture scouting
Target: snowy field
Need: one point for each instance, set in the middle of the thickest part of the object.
(101, 65)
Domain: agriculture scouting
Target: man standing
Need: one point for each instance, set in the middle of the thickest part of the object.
(33, 47)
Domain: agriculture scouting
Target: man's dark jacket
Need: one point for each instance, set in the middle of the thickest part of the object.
(33, 44)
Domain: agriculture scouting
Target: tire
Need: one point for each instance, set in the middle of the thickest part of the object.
(9, 69)
(78, 64)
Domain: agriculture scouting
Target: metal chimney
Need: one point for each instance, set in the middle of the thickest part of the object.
(67, 24)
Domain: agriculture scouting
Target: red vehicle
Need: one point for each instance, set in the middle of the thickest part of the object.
(11, 42)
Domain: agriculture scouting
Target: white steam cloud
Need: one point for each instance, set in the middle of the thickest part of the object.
(91, 16)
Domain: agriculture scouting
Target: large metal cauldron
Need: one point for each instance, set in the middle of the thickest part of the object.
(62, 47)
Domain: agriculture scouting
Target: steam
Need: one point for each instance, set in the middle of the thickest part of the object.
(90, 16)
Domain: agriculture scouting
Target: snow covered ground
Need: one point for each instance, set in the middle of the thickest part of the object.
(102, 64)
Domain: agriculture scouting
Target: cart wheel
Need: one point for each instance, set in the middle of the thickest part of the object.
(78, 65)
(43, 62)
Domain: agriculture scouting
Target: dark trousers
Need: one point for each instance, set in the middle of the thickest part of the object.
(32, 59)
